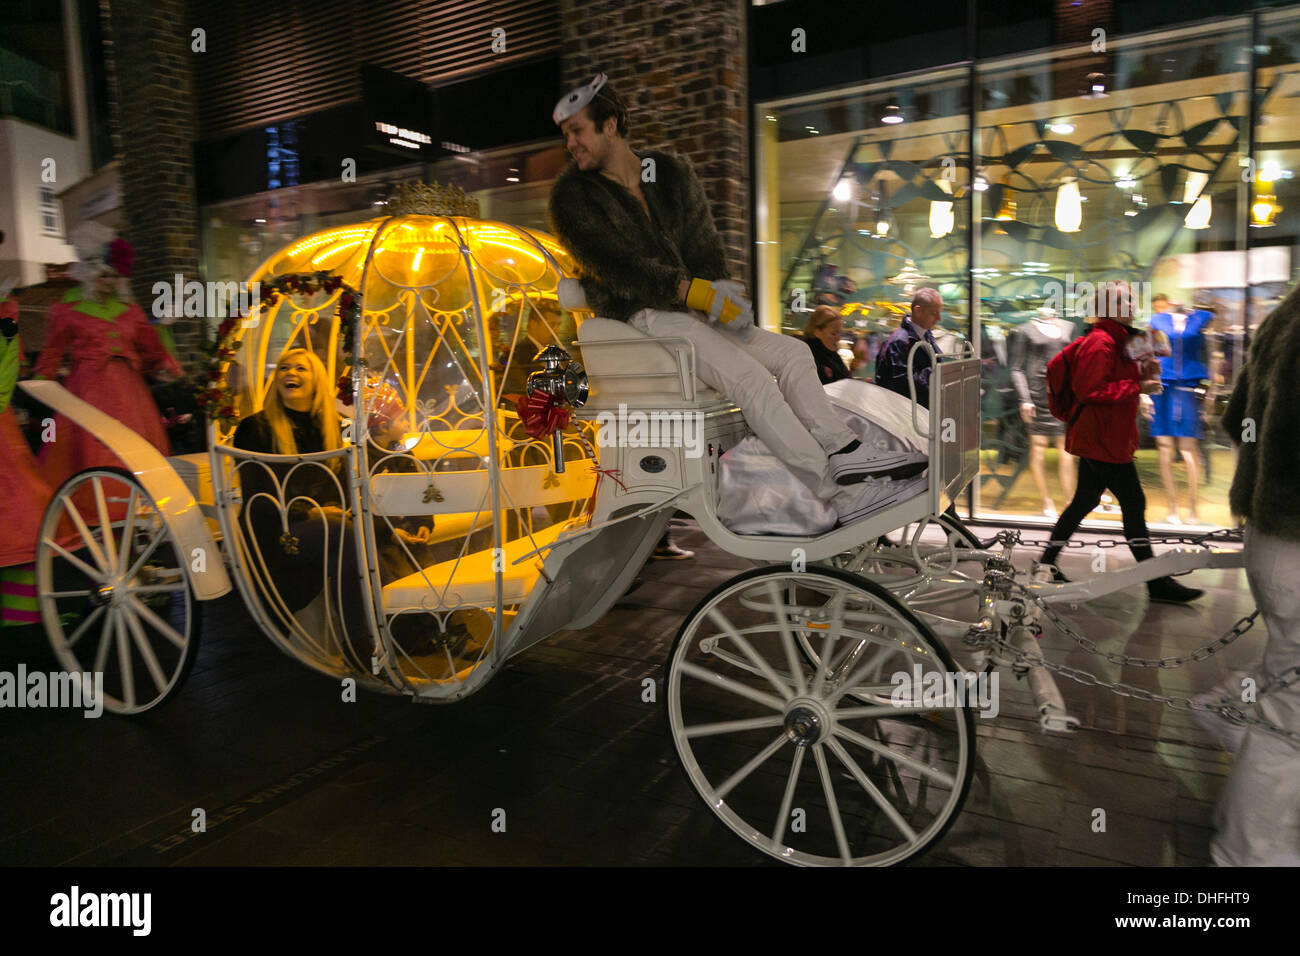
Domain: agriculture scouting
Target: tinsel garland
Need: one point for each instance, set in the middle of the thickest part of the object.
(214, 395)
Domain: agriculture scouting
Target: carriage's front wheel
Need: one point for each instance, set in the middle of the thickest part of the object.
(862, 761)
(114, 595)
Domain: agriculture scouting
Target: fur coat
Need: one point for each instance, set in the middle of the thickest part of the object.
(626, 261)
(1263, 419)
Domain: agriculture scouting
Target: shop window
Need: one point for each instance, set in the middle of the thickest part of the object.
(1076, 167)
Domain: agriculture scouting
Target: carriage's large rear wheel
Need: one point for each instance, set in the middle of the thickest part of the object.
(846, 764)
(114, 595)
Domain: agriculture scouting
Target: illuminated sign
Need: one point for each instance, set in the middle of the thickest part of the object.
(399, 113)
(400, 136)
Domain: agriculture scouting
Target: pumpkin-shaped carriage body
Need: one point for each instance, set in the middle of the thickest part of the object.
(409, 557)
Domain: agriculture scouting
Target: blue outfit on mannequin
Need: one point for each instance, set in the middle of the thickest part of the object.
(1178, 408)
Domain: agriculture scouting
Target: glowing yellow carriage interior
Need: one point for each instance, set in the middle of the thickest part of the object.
(440, 478)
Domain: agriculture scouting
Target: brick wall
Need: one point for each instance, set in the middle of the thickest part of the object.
(681, 68)
(152, 63)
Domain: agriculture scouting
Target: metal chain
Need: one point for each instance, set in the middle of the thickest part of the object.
(1224, 708)
(1219, 535)
(1201, 653)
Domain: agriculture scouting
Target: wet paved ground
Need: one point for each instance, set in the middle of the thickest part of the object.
(584, 770)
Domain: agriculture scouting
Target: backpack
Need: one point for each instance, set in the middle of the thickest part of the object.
(1060, 395)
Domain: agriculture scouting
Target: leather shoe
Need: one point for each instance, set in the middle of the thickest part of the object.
(1169, 590)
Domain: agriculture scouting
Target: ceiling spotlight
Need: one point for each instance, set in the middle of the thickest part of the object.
(1069, 207)
(942, 217)
(892, 115)
(1096, 86)
(1199, 215)
(1264, 210)
(1271, 172)
(1062, 128)
(842, 192)
(1125, 181)
(980, 183)
(1196, 182)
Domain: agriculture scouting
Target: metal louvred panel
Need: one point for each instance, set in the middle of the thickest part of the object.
(267, 62)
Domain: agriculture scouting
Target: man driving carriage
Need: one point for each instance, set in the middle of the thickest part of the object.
(639, 227)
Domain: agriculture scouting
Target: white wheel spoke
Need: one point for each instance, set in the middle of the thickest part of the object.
(862, 672)
(832, 807)
(83, 627)
(845, 664)
(146, 652)
(54, 595)
(832, 635)
(159, 624)
(93, 573)
(128, 529)
(735, 660)
(149, 549)
(864, 690)
(885, 710)
(158, 588)
(730, 783)
(787, 638)
(783, 815)
(726, 683)
(91, 543)
(124, 663)
(733, 726)
(911, 763)
(105, 525)
(720, 621)
(105, 639)
(890, 810)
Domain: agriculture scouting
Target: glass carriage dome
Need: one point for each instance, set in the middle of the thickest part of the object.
(399, 538)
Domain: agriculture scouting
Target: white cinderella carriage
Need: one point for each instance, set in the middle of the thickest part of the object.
(476, 533)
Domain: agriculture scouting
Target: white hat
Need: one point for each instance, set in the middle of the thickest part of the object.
(91, 240)
(571, 104)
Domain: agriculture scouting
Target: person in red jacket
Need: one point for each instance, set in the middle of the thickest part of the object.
(1107, 382)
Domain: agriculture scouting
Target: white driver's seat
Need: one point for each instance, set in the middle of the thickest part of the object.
(627, 366)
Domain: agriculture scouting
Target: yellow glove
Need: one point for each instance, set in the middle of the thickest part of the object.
(723, 300)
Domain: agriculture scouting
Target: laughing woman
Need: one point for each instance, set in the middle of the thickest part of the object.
(299, 418)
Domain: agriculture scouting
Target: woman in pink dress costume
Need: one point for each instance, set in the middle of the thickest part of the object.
(26, 493)
(108, 346)
(23, 492)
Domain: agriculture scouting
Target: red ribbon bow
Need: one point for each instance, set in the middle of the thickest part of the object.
(541, 414)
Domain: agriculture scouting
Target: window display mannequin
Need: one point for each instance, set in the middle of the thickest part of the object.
(1176, 411)
(1031, 347)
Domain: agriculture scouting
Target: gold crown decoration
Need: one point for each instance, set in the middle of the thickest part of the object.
(425, 199)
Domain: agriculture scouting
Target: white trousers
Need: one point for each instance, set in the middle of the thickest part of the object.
(1258, 816)
(791, 415)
